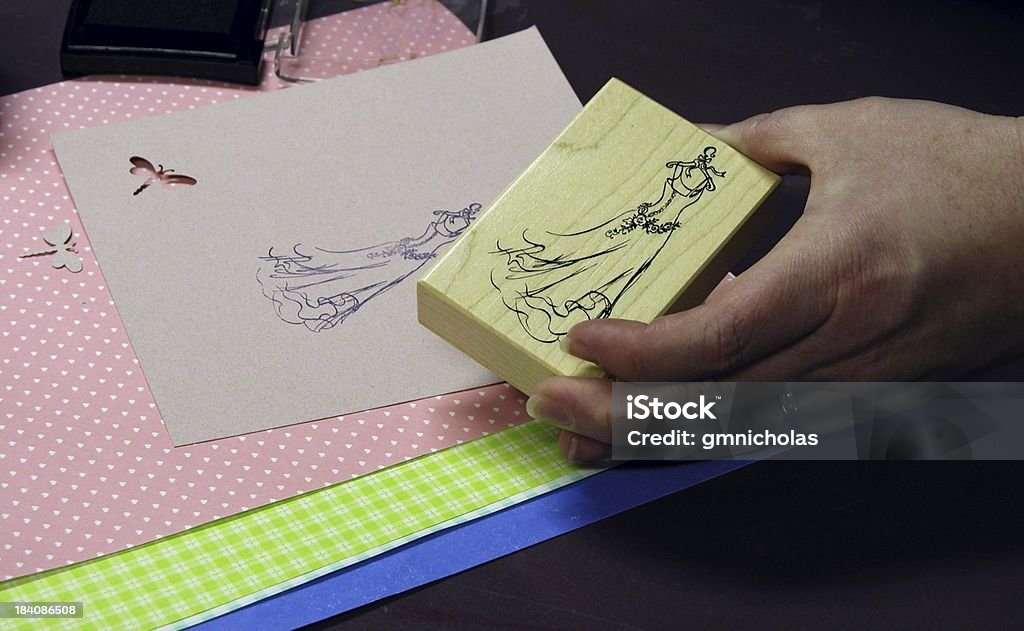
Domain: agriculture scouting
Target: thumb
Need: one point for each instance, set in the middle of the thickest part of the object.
(782, 141)
(767, 308)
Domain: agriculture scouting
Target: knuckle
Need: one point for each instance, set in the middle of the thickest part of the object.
(641, 350)
(765, 128)
(725, 343)
(767, 133)
(868, 109)
(870, 103)
(647, 348)
(754, 130)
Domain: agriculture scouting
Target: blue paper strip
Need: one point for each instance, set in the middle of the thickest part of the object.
(451, 551)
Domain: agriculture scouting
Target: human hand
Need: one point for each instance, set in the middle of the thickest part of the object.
(903, 266)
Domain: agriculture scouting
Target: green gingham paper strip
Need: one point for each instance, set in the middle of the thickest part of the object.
(480, 512)
(210, 570)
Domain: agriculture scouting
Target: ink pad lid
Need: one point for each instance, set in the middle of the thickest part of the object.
(206, 39)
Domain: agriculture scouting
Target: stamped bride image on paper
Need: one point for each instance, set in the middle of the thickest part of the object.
(319, 288)
(287, 272)
(540, 277)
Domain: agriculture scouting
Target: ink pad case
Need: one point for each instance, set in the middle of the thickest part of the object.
(204, 39)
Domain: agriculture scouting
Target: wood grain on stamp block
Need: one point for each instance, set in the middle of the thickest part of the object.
(615, 219)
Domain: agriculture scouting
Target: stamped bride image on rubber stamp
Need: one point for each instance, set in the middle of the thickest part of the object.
(539, 277)
(629, 212)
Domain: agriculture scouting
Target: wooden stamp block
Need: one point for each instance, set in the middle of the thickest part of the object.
(616, 218)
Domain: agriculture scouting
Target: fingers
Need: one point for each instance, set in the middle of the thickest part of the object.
(782, 299)
(583, 450)
(579, 405)
(782, 141)
(582, 408)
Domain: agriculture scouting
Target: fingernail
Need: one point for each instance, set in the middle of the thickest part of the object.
(572, 455)
(710, 127)
(728, 278)
(550, 411)
(573, 444)
(726, 133)
(574, 347)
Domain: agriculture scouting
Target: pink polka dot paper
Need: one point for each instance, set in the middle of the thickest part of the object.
(86, 467)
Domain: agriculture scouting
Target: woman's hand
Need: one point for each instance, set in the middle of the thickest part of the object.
(906, 264)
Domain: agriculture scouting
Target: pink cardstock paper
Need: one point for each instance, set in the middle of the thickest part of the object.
(86, 465)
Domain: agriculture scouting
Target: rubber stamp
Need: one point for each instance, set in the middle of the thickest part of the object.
(617, 218)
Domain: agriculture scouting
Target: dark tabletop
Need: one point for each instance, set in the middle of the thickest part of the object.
(797, 545)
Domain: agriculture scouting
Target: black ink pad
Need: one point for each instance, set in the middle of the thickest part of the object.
(206, 39)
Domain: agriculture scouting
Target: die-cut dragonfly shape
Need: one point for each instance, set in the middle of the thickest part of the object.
(61, 247)
(145, 168)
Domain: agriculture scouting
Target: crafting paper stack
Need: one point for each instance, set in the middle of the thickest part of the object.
(242, 335)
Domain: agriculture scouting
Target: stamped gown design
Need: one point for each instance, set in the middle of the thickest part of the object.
(320, 288)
